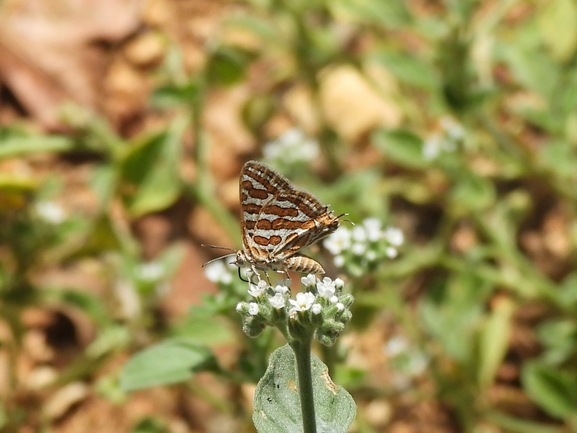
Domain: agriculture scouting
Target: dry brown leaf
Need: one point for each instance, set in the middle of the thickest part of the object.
(48, 51)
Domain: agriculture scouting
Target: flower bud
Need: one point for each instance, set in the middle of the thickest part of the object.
(316, 318)
(329, 332)
(339, 284)
(242, 308)
(345, 316)
(347, 300)
(278, 315)
(253, 326)
(325, 340)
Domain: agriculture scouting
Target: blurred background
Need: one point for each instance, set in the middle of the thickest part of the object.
(123, 128)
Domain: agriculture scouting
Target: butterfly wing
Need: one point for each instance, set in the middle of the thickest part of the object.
(259, 186)
(277, 219)
(305, 221)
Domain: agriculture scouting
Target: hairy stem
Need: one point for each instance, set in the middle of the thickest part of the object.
(302, 351)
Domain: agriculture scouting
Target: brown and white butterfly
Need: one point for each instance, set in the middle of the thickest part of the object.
(277, 220)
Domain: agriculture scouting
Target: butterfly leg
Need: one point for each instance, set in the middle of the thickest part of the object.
(240, 276)
(250, 275)
(288, 280)
(256, 274)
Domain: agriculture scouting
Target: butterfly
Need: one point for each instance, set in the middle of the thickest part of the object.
(277, 220)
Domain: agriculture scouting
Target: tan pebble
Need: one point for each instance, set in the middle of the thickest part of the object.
(63, 399)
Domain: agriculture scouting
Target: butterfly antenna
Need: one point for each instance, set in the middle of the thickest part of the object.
(218, 258)
(218, 247)
(347, 220)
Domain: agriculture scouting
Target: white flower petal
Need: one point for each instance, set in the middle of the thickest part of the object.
(391, 252)
(394, 236)
(277, 301)
(358, 249)
(339, 261)
(253, 308)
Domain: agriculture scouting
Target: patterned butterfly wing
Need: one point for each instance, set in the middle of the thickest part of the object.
(259, 185)
(306, 221)
(277, 220)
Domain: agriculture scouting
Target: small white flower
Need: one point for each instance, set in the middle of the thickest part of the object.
(339, 241)
(394, 236)
(358, 249)
(373, 228)
(292, 146)
(253, 308)
(316, 308)
(359, 234)
(391, 252)
(151, 271)
(291, 136)
(417, 363)
(454, 129)
(396, 346)
(310, 149)
(240, 306)
(303, 302)
(339, 284)
(218, 272)
(277, 301)
(50, 212)
(340, 306)
(371, 255)
(339, 261)
(281, 289)
(257, 290)
(334, 299)
(308, 281)
(272, 150)
(432, 146)
(326, 288)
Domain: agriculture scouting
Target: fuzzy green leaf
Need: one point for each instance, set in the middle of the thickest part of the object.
(151, 171)
(277, 402)
(169, 362)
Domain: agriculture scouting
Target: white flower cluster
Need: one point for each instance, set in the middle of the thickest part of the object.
(150, 277)
(320, 308)
(408, 361)
(364, 243)
(304, 301)
(291, 147)
(446, 140)
(326, 289)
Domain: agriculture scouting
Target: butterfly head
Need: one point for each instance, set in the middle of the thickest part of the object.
(241, 259)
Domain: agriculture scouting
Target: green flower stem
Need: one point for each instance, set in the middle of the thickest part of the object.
(302, 351)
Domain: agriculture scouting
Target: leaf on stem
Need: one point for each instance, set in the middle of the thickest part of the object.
(277, 402)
